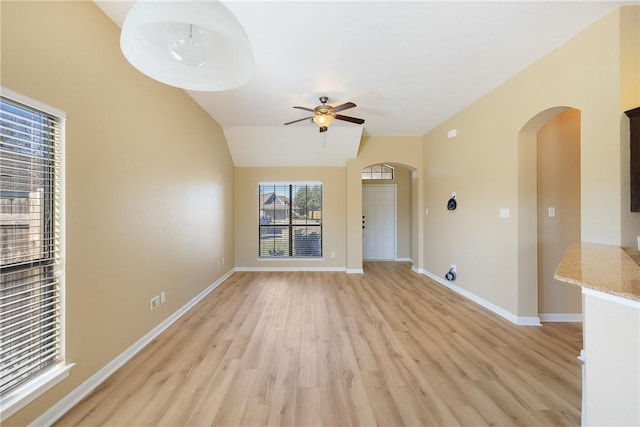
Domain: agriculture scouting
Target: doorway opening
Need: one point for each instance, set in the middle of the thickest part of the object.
(548, 212)
(388, 205)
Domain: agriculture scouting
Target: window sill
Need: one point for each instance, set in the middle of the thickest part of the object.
(28, 392)
(286, 258)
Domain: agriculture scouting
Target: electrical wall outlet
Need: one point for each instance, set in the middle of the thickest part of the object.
(163, 297)
(453, 267)
(155, 301)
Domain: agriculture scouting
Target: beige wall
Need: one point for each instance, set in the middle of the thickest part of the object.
(247, 214)
(558, 179)
(482, 165)
(149, 182)
(402, 181)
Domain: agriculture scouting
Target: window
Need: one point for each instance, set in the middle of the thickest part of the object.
(290, 220)
(30, 242)
(378, 172)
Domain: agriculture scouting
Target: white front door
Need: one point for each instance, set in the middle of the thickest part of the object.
(379, 222)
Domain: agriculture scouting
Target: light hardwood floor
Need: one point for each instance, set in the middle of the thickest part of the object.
(389, 347)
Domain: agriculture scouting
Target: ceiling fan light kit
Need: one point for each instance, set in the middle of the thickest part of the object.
(324, 115)
(193, 45)
(322, 119)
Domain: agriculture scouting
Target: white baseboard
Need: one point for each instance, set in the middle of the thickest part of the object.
(69, 401)
(290, 269)
(355, 271)
(518, 320)
(404, 259)
(528, 321)
(561, 317)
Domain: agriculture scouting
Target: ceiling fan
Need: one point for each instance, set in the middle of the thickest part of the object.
(324, 114)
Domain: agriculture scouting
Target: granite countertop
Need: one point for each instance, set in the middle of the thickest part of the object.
(603, 268)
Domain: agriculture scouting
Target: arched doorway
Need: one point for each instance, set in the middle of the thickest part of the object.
(405, 152)
(387, 212)
(548, 212)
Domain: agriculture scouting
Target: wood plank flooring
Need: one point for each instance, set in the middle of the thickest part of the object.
(389, 348)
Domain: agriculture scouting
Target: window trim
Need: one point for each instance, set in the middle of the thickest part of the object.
(26, 393)
(370, 172)
(267, 258)
(31, 389)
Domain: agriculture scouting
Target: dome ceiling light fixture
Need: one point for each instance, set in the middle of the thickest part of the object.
(193, 45)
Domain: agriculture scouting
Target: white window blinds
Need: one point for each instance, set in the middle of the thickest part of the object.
(290, 220)
(30, 144)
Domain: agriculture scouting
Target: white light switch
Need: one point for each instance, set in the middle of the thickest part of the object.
(452, 133)
(552, 212)
(426, 211)
(504, 213)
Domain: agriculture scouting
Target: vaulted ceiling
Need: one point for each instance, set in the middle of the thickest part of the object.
(407, 65)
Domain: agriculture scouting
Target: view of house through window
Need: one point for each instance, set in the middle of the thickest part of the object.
(29, 243)
(378, 172)
(290, 220)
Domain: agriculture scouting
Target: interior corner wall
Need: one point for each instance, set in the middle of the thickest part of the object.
(629, 99)
(149, 183)
(481, 163)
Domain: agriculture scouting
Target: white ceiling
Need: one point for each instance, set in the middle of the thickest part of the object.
(407, 65)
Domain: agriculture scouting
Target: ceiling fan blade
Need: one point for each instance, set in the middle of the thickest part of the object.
(349, 119)
(344, 106)
(305, 109)
(299, 120)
